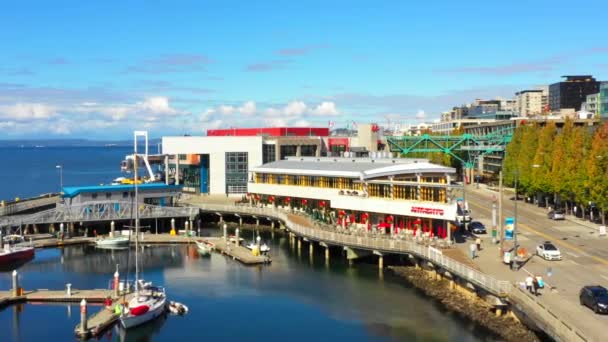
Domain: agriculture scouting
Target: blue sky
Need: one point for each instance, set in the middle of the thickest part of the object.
(102, 69)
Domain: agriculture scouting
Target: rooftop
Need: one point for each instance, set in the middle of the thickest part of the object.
(73, 191)
(360, 168)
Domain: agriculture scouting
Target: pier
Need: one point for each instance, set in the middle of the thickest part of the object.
(239, 253)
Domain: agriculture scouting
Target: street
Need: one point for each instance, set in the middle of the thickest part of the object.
(584, 256)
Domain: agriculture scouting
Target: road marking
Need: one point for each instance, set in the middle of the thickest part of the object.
(557, 242)
(603, 276)
(572, 254)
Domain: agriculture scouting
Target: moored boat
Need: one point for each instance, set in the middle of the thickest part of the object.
(113, 241)
(15, 253)
(203, 248)
(149, 301)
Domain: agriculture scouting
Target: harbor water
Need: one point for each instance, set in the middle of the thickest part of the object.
(295, 298)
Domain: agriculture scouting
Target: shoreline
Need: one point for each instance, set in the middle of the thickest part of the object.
(477, 310)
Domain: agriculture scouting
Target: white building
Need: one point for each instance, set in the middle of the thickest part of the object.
(369, 191)
(530, 102)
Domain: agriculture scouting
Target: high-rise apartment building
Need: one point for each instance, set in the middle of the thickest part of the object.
(603, 100)
(530, 102)
(571, 92)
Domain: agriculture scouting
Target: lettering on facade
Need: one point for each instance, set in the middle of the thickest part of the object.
(428, 211)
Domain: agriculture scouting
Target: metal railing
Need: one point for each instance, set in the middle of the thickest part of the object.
(97, 211)
(386, 245)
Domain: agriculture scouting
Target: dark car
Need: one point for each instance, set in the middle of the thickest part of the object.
(556, 215)
(477, 227)
(595, 297)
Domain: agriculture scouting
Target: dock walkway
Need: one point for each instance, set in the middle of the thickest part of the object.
(240, 253)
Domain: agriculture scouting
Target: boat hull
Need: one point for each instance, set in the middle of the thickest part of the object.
(131, 321)
(16, 254)
(113, 242)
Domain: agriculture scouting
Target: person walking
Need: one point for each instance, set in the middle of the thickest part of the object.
(473, 249)
(540, 282)
(529, 283)
(478, 243)
(535, 285)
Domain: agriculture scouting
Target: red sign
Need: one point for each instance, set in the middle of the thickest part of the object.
(428, 211)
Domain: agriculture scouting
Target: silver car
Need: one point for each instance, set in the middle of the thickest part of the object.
(556, 215)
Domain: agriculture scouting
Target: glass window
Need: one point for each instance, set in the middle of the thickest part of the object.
(236, 172)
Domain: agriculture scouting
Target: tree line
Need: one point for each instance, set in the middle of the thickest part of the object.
(570, 166)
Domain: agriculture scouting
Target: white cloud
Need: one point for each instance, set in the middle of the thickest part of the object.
(27, 111)
(295, 108)
(420, 114)
(248, 108)
(226, 110)
(157, 105)
(326, 108)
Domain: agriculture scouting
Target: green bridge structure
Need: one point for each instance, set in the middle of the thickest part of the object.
(468, 148)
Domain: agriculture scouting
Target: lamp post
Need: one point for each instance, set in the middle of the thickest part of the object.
(515, 214)
(60, 167)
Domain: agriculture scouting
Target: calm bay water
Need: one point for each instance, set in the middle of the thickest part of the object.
(291, 299)
(30, 171)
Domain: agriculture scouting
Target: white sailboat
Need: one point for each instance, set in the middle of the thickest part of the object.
(149, 301)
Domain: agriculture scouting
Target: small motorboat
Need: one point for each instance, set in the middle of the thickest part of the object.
(112, 241)
(13, 239)
(176, 308)
(15, 254)
(203, 248)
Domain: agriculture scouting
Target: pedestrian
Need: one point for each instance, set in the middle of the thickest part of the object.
(540, 282)
(473, 249)
(478, 243)
(529, 283)
(535, 286)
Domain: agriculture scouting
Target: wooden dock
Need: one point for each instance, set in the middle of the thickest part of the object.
(96, 323)
(240, 253)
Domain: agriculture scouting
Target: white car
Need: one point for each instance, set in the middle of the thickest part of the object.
(548, 251)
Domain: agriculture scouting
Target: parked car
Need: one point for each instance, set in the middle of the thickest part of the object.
(477, 227)
(595, 297)
(556, 215)
(548, 251)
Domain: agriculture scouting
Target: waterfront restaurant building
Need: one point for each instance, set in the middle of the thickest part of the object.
(374, 192)
(149, 193)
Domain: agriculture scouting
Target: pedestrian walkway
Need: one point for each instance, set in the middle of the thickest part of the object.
(560, 301)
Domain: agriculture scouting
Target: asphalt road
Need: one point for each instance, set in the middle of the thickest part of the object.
(584, 253)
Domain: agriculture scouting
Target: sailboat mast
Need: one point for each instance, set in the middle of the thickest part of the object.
(136, 222)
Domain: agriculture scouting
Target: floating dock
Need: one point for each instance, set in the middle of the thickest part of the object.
(240, 253)
(96, 323)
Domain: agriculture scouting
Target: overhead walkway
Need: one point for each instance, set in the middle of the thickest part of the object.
(466, 148)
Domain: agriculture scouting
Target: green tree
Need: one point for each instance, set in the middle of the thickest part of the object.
(577, 152)
(511, 155)
(562, 170)
(542, 162)
(529, 144)
(597, 167)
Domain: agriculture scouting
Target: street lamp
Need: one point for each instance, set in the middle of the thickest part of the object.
(515, 223)
(60, 167)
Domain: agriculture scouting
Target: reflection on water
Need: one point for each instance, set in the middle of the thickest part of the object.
(294, 296)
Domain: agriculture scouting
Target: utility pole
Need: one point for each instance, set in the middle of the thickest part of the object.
(502, 232)
(515, 223)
